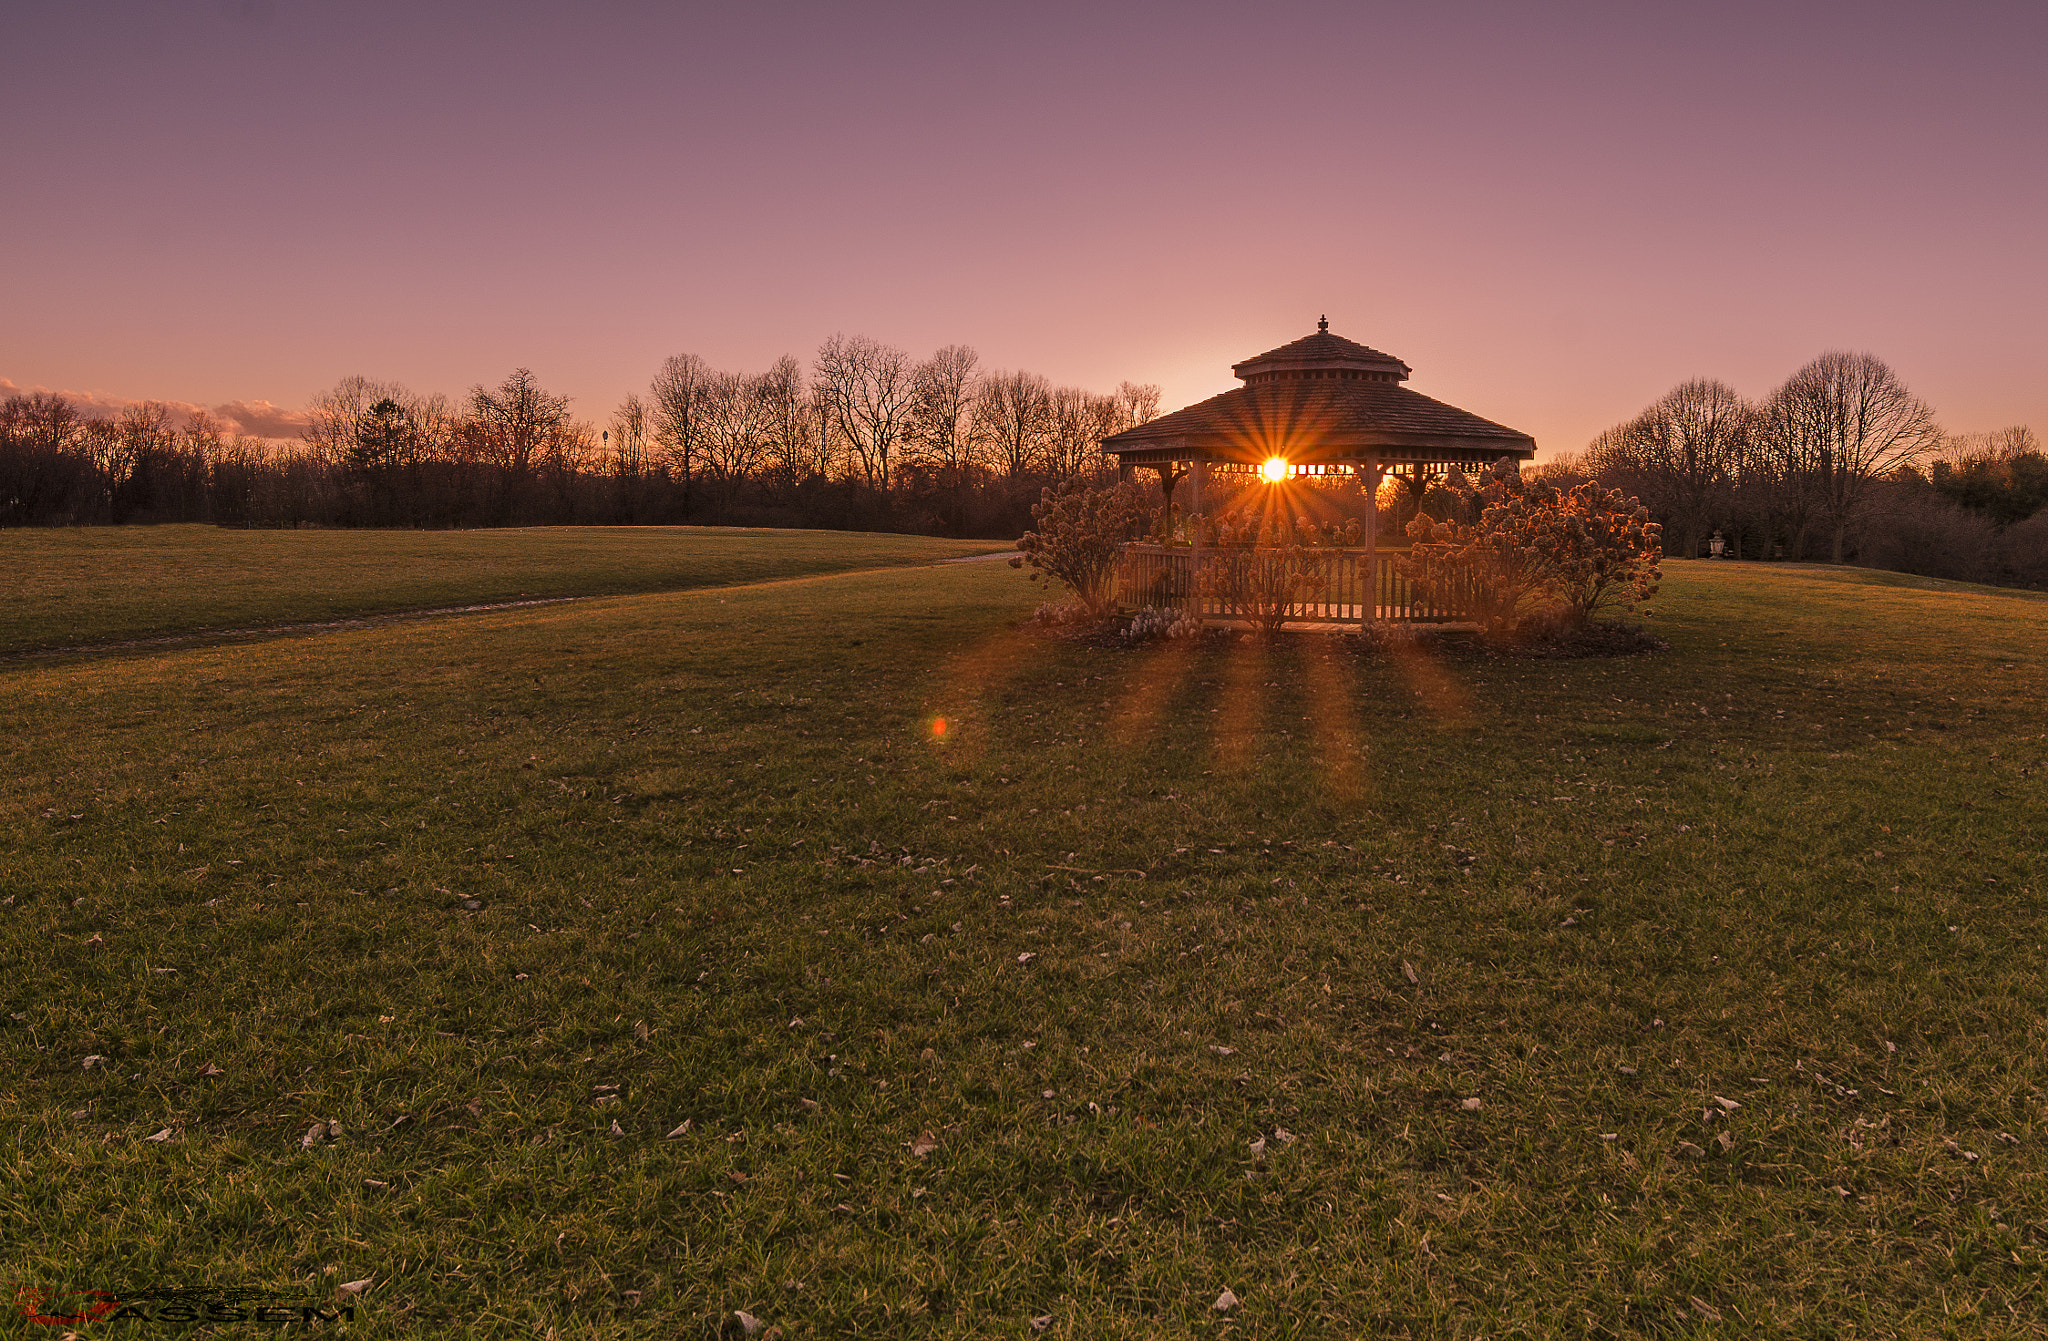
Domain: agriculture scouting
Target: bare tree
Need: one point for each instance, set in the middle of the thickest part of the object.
(1137, 403)
(738, 424)
(678, 395)
(333, 417)
(943, 403)
(1014, 411)
(1679, 456)
(866, 389)
(631, 435)
(1076, 423)
(797, 432)
(520, 429)
(44, 474)
(1845, 421)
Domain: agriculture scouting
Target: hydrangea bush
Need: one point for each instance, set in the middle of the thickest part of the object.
(1538, 555)
(1261, 567)
(1077, 534)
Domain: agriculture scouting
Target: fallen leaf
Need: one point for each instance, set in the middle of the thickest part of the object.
(1689, 1150)
(1026, 957)
(357, 1286)
(93, 1061)
(1705, 1309)
(373, 1182)
(211, 1070)
(1225, 1302)
(617, 1130)
(1725, 1141)
(1408, 969)
(924, 1145)
(1258, 1145)
(1220, 1049)
(680, 1130)
(1727, 1105)
(163, 1135)
(1470, 1105)
(315, 1134)
(1283, 1136)
(1040, 1323)
(810, 1105)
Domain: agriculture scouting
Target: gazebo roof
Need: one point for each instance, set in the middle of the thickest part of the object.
(1320, 399)
(1319, 352)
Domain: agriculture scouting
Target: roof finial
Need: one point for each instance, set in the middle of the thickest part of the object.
(1324, 324)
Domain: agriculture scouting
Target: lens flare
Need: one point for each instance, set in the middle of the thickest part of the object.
(1275, 469)
(938, 728)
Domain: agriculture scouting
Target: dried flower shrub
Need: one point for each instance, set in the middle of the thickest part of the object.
(1258, 571)
(1077, 534)
(1538, 556)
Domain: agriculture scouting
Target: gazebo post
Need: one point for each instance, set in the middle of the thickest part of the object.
(1198, 475)
(1168, 477)
(1373, 473)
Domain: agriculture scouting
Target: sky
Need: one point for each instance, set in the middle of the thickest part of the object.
(1552, 212)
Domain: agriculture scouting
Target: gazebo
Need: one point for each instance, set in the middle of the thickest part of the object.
(1320, 406)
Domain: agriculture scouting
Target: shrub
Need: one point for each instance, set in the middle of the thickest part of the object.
(1078, 533)
(1933, 538)
(1153, 623)
(2024, 549)
(1258, 571)
(1538, 555)
(1062, 614)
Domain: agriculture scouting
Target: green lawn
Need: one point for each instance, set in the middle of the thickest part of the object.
(1156, 973)
(67, 588)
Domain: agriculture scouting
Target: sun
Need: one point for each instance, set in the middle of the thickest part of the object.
(1275, 469)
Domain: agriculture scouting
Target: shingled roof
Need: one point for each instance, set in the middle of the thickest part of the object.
(1321, 398)
(1318, 352)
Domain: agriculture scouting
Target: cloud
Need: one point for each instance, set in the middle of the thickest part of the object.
(261, 419)
(253, 418)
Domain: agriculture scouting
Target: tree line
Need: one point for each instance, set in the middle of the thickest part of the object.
(1841, 462)
(865, 438)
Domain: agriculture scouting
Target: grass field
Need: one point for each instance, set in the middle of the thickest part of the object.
(657, 957)
(90, 585)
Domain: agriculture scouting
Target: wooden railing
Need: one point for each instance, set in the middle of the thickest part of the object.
(1333, 591)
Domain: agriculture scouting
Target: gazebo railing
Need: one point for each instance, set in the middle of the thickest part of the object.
(1336, 592)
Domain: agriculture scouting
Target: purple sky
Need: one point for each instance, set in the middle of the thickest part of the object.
(1553, 213)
